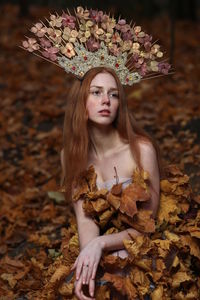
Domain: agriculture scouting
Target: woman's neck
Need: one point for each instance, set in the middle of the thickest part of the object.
(104, 140)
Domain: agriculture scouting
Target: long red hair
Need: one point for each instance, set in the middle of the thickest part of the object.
(76, 140)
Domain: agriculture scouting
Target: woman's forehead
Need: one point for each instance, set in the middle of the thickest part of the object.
(104, 80)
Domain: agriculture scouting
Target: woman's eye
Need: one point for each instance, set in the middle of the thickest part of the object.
(114, 95)
(96, 93)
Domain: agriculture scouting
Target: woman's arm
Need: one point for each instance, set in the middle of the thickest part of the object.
(149, 163)
(90, 254)
(87, 229)
(114, 241)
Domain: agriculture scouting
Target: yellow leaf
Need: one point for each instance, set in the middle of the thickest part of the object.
(157, 294)
(180, 277)
(168, 206)
(192, 244)
(113, 200)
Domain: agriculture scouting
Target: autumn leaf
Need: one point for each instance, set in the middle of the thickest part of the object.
(180, 277)
(130, 195)
(113, 200)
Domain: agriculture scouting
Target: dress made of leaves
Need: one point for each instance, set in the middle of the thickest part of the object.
(163, 263)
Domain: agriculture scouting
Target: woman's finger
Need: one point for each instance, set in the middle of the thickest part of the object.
(85, 272)
(85, 297)
(78, 289)
(89, 273)
(79, 292)
(78, 269)
(94, 270)
(91, 287)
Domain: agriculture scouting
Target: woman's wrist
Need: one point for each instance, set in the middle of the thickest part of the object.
(101, 242)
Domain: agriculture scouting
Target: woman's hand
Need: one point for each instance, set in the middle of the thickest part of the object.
(78, 288)
(87, 263)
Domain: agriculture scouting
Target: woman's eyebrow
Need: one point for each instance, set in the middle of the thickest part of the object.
(101, 87)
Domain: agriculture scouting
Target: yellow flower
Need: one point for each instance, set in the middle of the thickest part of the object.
(159, 54)
(126, 46)
(154, 66)
(70, 35)
(137, 29)
(68, 50)
(108, 37)
(155, 48)
(55, 35)
(83, 36)
(82, 13)
(97, 32)
(116, 38)
(135, 48)
(66, 33)
(89, 24)
(108, 24)
(55, 21)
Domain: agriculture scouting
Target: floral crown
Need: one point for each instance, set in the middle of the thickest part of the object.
(91, 38)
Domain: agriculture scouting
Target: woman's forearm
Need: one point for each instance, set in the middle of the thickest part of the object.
(114, 241)
(87, 231)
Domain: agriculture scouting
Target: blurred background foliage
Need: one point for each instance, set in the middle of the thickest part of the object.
(182, 9)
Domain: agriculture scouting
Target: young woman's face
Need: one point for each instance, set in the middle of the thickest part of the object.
(103, 100)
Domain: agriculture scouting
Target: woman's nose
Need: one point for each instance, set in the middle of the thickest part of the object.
(105, 98)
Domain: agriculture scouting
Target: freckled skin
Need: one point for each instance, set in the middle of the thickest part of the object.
(103, 95)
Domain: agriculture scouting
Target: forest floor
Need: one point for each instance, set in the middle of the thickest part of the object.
(33, 95)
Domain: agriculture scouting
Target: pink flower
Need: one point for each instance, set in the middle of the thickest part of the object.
(39, 30)
(45, 43)
(147, 38)
(143, 69)
(50, 53)
(122, 22)
(115, 50)
(127, 36)
(139, 62)
(147, 46)
(116, 38)
(134, 58)
(68, 21)
(164, 68)
(31, 45)
(96, 15)
(92, 45)
(122, 26)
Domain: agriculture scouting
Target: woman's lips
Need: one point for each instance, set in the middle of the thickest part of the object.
(104, 112)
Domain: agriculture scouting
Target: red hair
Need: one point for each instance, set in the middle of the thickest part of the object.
(76, 140)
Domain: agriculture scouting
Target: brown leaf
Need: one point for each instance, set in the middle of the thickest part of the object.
(192, 244)
(105, 217)
(157, 294)
(130, 195)
(180, 277)
(117, 281)
(116, 189)
(113, 200)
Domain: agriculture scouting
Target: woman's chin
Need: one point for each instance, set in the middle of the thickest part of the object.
(101, 123)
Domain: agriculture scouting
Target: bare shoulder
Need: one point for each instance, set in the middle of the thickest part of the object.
(148, 155)
(149, 159)
(147, 148)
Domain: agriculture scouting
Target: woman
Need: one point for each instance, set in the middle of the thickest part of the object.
(112, 171)
(101, 124)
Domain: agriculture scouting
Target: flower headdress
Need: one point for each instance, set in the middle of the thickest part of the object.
(91, 38)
